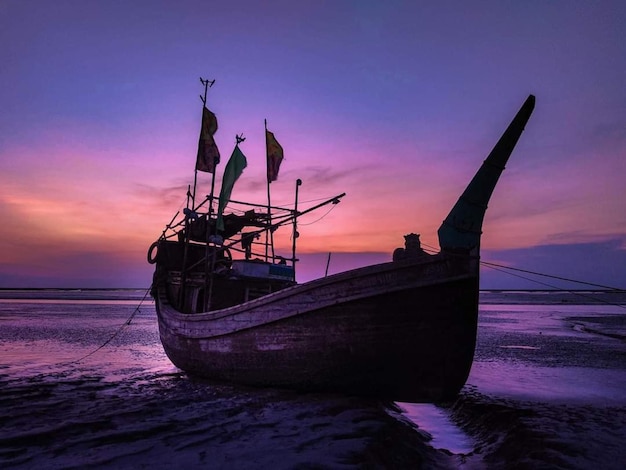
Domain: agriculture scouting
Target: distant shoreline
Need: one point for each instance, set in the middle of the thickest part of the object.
(499, 291)
(486, 296)
(71, 288)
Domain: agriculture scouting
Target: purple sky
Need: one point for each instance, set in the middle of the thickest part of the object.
(395, 103)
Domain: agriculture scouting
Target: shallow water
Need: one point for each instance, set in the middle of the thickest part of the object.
(547, 389)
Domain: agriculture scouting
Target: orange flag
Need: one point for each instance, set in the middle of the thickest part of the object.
(208, 153)
(274, 156)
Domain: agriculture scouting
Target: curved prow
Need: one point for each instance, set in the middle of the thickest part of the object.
(462, 228)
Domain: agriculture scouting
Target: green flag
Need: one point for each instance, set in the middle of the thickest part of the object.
(234, 169)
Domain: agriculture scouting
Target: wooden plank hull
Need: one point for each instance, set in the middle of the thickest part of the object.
(402, 331)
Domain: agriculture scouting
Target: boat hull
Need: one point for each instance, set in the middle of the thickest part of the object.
(404, 330)
(401, 331)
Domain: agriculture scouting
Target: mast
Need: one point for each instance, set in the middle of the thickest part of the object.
(191, 213)
(233, 170)
(462, 227)
(208, 264)
(295, 233)
(207, 84)
(273, 156)
(269, 235)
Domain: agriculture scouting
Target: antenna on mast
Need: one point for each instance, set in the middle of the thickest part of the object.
(207, 84)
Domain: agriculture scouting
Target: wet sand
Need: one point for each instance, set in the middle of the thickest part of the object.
(170, 421)
(547, 390)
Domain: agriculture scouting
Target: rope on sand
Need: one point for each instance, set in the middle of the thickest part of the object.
(124, 325)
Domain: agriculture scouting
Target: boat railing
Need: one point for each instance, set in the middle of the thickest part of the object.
(176, 229)
(208, 238)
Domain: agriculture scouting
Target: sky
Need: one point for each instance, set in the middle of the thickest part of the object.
(396, 103)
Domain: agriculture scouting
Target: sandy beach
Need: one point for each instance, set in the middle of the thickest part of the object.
(546, 391)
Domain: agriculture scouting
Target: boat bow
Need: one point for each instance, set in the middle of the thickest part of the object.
(462, 227)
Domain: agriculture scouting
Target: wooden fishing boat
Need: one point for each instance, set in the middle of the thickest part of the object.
(404, 330)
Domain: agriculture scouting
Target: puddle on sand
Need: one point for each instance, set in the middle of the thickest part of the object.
(436, 422)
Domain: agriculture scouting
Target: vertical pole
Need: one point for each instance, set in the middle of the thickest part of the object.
(327, 264)
(295, 233)
(269, 232)
(207, 266)
(183, 272)
(206, 84)
(181, 292)
(195, 182)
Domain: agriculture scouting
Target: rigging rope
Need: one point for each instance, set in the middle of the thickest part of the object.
(317, 220)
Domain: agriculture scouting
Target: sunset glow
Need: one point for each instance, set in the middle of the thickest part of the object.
(396, 104)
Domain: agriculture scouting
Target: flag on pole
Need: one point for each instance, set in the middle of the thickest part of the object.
(234, 169)
(274, 156)
(208, 153)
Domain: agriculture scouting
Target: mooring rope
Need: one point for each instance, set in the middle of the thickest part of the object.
(124, 325)
(501, 268)
(507, 270)
(494, 265)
